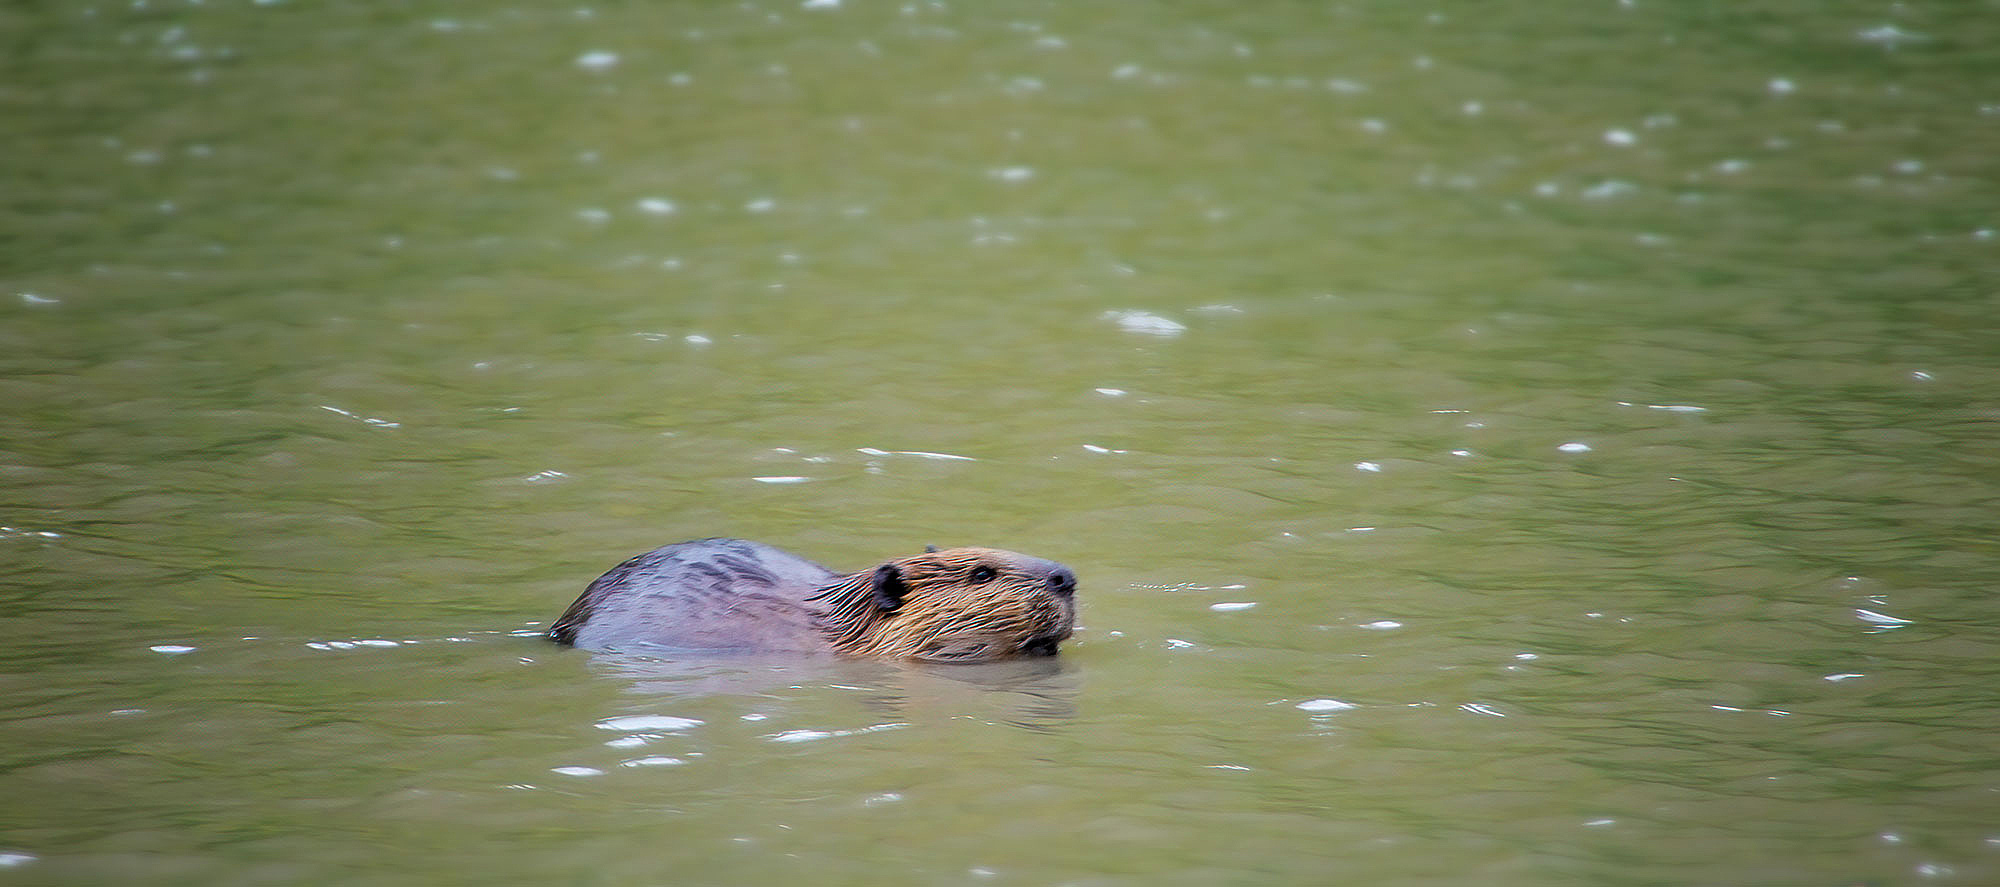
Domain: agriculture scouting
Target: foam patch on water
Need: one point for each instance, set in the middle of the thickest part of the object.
(920, 454)
(1145, 324)
(1322, 706)
(637, 723)
(816, 735)
(1881, 619)
(378, 423)
(653, 761)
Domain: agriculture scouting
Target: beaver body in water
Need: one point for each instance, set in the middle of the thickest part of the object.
(730, 595)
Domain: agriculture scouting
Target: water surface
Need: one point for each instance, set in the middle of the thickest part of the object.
(1500, 443)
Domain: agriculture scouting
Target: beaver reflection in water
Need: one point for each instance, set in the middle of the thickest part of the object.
(956, 605)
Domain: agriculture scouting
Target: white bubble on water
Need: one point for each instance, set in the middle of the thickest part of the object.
(1232, 606)
(653, 761)
(935, 457)
(1145, 323)
(172, 649)
(1781, 86)
(1325, 705)
(1888, 36)
(1882, 619)
(1620, 138)
(577, 771)
(1608, 189)
(1574, 447)
(598, 60)
(634, 723)
(658, 206)
(799, 736)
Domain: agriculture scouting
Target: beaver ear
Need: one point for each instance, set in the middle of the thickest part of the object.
(930, 549)
(887, 586)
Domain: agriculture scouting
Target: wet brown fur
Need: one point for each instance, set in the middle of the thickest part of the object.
(959, 605)
(944, 614)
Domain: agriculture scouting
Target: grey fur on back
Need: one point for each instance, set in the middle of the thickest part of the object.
(696, 595)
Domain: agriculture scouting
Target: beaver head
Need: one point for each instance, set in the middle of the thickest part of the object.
(956, 605)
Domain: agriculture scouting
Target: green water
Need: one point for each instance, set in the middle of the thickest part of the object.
(1596, 403)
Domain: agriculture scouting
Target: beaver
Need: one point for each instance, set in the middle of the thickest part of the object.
(732, 595)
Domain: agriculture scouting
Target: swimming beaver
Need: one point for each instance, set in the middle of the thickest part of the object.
(957, 605)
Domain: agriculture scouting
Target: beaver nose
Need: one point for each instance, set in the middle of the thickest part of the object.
(1063, 581)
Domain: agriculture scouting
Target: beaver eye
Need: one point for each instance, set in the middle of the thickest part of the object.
(983, 574)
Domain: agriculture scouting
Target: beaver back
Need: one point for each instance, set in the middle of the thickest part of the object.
(958, 605)
(709, 594)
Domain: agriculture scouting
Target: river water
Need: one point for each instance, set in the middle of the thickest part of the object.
(1510, 443)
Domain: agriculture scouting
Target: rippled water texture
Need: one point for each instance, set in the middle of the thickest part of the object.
(1514, 443)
